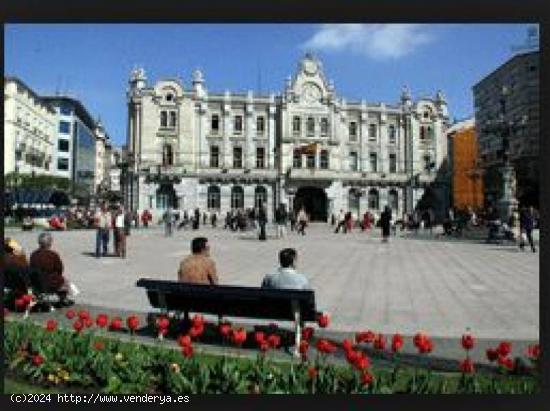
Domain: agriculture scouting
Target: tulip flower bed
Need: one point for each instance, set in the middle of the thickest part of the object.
(86, 358)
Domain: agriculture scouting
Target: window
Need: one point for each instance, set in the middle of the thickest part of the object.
(353, 131)
(238, 126)
(393, 163)
(62, 163)
(296, 125)
(237, 197)
(310, 161)
(426, 115)
(167, 155)
(63, 145)
(373, 162)
(213, 198)
(237, 157)
(297, 158)
(393, 200)
(260, 125)
(353, 161)
(373, 199)
(324, 126)
(215, 123)
(422, 133)
(169, 97)
(428, 163)
(324, 159)
(214, 156)
(173, 116)
(260, 197)
(260, 157)
(372, 131)
(353, 201)
(391, 134)
(64, 127)
(65, 109)
(310, 126)
(163, 119)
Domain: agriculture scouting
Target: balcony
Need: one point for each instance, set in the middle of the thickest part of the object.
(312, 173)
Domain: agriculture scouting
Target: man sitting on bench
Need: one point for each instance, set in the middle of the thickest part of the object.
(198, 268)
(286, 277)
(16, 268)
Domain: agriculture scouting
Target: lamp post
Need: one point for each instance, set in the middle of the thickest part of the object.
(505, 128)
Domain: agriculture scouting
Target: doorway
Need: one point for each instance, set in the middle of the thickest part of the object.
(314, 200)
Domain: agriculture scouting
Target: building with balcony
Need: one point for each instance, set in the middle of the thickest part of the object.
(518, 78)
(29, 130)
(305, 147)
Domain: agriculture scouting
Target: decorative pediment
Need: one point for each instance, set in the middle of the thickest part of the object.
(309, 85)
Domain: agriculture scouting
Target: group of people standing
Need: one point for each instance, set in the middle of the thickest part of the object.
(119, 221)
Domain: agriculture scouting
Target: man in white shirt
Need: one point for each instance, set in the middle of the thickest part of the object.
(120, 234)
(103, 225)
(286, 276)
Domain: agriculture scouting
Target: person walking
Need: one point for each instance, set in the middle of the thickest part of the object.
(347, 222)
(292, 216)
(213, 218)
(196, 219)
(262, 221)
(280, 220)
(168, 216)
(341, 222)
(120, 233)
(103, 225)
(385, 223)
(302, 222)
(366, 222)
(526, 224)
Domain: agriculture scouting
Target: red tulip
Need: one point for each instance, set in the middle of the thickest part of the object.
(307, 333)
(504, 348)
(78, 326)
(37, 360)
(506, 362)
(323, 320)
(259, 337)
(379, 342)
(99, 345)
(239, 336)
(325, 346)
(533, 352)
(83, 315)
(132, 322)
(187, 351)
(163, 322)
(274, 340)
(102, 320)
(423, 343)
(20, 304)
(196, 330)
(184, 340)
(361, 361)
(467, 342)
(312, 372)
(88, 322)
(346, 345)
(70, 314)
(225, 330)
(396, 343)
(366, 378)
(304, 347)
(492, 354)
(264, 346)
(367, 337)
(27, 298)
(467, 366)
(197, 320)
(51, 325)
(351, 356)
(116, 324)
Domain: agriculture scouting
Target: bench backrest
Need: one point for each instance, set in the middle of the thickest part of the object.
(228, 300)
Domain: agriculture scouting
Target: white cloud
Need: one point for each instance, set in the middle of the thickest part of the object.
(376, 41)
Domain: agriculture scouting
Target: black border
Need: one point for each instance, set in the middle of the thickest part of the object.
(302, 11)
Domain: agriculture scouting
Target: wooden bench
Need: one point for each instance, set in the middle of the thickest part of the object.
(233, 301)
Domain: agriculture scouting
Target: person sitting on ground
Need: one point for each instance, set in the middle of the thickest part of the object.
(198, 268)
(49, 266)
(16, 268)
(286, 277)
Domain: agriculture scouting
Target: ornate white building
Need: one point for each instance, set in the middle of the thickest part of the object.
(305, 147)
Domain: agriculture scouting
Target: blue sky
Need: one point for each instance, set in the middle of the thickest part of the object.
(370, 61)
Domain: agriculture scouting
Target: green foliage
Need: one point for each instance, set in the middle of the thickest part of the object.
(94, 362)
(37, 181)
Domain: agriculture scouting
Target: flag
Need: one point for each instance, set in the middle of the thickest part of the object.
(309, 149)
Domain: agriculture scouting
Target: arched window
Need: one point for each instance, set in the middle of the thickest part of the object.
(373, 199)
(237, 197)
(310, 126)
(213, 197)
(260, 197)
(393, 200)
(167, 155)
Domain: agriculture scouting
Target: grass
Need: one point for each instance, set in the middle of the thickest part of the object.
(13, 386)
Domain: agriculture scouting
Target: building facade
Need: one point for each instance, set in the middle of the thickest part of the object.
(513, 88)
(29, 130)
(305, 147)
(75, 145)
(466, 176)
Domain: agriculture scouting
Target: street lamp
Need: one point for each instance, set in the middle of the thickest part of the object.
(505, 128)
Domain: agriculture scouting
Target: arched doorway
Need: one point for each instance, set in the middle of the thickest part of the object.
(166, 196)
(314, 200)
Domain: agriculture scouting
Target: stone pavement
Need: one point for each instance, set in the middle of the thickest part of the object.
(438, 286)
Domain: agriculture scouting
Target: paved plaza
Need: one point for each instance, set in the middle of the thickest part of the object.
(439, 286)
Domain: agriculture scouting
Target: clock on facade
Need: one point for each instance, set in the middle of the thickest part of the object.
(311, 93)
(310, 67)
